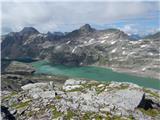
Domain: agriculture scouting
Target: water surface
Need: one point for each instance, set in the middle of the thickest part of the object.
(95, 73)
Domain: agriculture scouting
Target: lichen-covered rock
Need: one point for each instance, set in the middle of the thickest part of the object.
(74, 82)
(40, 90)
(33, 86)
(90, 101)
(71, 87)
(126, 99)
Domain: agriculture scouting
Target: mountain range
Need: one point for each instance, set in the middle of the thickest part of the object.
(87, 46)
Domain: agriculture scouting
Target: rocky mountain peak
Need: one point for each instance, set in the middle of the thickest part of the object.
(58, 33)
(29, 30)
(86, 28)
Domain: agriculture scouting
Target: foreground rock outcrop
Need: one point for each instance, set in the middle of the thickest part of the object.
(19, 68)
(79, 99)
(17, 74)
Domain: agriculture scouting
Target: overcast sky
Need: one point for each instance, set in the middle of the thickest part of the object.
(132, 17)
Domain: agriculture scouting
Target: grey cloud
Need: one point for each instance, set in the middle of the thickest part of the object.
(65, 16)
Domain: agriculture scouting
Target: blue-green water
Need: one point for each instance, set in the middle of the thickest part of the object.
(95, 73)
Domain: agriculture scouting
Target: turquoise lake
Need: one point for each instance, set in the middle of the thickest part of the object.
(95, 73)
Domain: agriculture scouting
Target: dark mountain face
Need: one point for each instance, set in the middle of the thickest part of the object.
(84, 30)
(24, 43)
(28, 31)
(58, 34)
(153, 36)
(84, 46)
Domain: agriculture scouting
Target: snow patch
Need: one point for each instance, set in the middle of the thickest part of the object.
(113, 42)
(124, 53)
(104, 37)
(131, 53)
(59, 46)
(103, 41)
(91, 40)
(133, 42)
(114, 50)
(47, 44)
(39, 35)
(143, 46)
(150, 54)
(85, 42)
(74, 49)
(123, 48)
(68, 42)
(143, 69)
(115, 58)
(81, 63)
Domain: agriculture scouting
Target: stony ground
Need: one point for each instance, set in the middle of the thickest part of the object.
(81, 100)
(25, 96)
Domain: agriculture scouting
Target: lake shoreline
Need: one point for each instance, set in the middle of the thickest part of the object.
(42, 91)
(94, 73)
(134, 72)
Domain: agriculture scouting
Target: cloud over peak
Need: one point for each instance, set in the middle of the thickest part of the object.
(66, 16)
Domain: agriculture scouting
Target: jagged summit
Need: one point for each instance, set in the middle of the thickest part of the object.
(86, 28)
(29, 30)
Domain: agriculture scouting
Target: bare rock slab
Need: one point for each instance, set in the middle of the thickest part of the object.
(128, 99)
(20, 68)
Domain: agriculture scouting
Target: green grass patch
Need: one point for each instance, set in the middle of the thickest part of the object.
(75, 89)
(58, 97)
(69, 115)
(150, 112)
(108, 117)
(116, 117)
(55, 113)
(90, 84)
(130, 117)
(90, 116)
(30, 114)
(99, 90)
(87, 116)
(6, 97)
(151, 92)
(20, 105)
(98, 117)
(120, 87)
